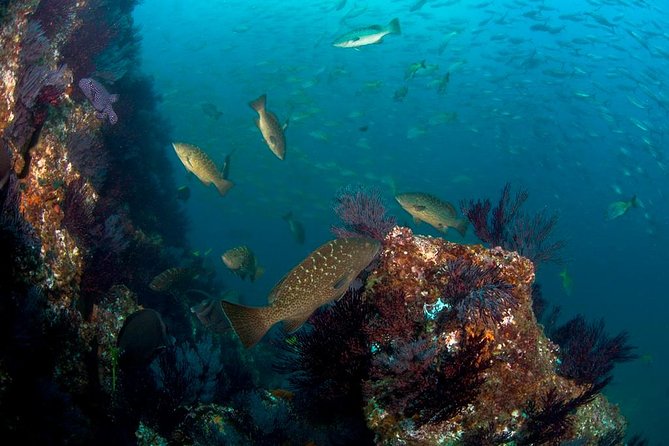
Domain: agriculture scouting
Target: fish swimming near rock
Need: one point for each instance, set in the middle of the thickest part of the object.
(323, 276)
(430, 209)
(242, 262)
(368, 35)
(171, 278)
(271, 129)
(296, 228)
(100, 99)
(620, 208)
(196, 161)
(142, 334)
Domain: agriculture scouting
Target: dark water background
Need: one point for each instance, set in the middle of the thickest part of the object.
(555, 110)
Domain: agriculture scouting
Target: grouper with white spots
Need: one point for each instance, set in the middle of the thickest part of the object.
(324, 276)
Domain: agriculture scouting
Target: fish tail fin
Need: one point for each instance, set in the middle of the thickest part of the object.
(249, 323)
(259, 104)
(634, 201)
(462, 226)
(394, 26)
(223, 186)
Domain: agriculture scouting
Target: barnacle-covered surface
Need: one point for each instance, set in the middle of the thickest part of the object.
(515, 362)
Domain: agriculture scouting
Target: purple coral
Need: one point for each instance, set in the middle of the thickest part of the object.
(476, 292)
(362, 213)
(507, 227)
(587, 353)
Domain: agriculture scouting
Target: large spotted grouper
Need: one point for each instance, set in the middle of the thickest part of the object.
(323, 276)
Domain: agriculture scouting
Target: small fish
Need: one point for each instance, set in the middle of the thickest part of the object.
(368, 35)
(400, 93)
(142, 334)
(100, 99)
(620, 208)
(567, 282)
(413, 69)
(270, 128)
(430, 209)
(322, 277)
(171, 278)
(442, 85)
(199, 164)
(183, 193)
(211, 110)
(242, 262)
(416, 6)
(296, 228)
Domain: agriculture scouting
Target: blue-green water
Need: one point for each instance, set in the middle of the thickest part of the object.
(564, 98)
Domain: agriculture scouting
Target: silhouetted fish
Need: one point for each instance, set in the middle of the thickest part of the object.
(296, 228)
(142, 334)
(323, 276)
(99, 98)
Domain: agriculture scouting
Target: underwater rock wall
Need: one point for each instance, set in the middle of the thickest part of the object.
(77, 249)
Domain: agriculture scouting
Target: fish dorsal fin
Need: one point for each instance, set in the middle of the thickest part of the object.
(295, 322)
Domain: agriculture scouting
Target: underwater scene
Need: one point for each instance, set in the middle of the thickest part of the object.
(334, 222)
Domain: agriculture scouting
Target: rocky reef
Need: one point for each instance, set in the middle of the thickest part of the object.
(458, 356)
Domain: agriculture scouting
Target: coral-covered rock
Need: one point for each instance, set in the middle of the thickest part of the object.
(456, 351)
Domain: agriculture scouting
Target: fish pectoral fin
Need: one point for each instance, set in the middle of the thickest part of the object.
(340, 282)
(416, 220)
(295, 322)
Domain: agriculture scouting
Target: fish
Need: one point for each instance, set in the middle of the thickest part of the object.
(430, 209)
(5, 166)
(196, 161)
(620, 208)
(171, 278)
(142, 335)
(100, 99)
(368, 35)
(296, 228)
(272, 131)
(443, 83)
(400, 93)
(413, 69)
(567, 282)
(242, 262)
(323, 276)
(416, 6)
(210, 313)
(211, 110)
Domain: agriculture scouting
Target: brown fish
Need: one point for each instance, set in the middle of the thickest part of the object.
(430, 209)
(323, 276)
(270, 128)
(242, 262)
(196, 161)
(171, 278)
